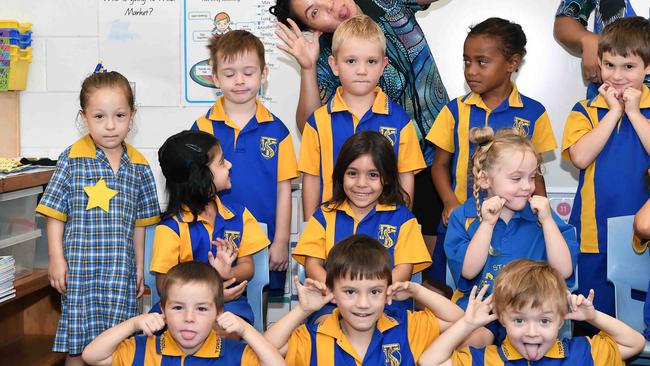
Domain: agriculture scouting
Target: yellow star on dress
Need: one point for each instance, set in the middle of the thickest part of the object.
(99, 195)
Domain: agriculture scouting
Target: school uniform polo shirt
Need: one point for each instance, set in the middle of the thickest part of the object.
(261, 154)
(393, 226)
(177, 239)
(521, 237)
(600, 350)
(163, 350)
(332, 124)
(450, 131)
(614, 183)
(397, 340)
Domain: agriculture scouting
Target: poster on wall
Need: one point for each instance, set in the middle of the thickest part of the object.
(204, 18)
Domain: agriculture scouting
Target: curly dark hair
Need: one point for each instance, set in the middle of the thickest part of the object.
(282, 10)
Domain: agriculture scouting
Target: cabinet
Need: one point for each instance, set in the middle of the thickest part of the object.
(28, 321)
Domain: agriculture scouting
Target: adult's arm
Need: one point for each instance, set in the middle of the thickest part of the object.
(580, 42)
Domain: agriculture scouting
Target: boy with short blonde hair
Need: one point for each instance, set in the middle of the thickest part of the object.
(531, 301)
(358, 59)
(192, 303)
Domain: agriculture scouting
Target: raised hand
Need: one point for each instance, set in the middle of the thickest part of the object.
(233, 293)
(631, 98)
(581, 308)
(612, 97)
(478, 309)
(149, 323)
(400, 291)
(313, 295)
(226, 255)
(542, 207)
(305, 51)
(232, 324)
(491, 209)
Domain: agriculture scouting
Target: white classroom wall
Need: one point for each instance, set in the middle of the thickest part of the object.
(69, 38)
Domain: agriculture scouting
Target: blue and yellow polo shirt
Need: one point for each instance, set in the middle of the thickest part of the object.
(521, 237)
(397, 340)
(601, 193)
(450, 131)
(177, 239)
(261, 154)
(600, 350)
(163, 350)
(393, 226)
(330, 125)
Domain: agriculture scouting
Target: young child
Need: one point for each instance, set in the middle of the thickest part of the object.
(358, 59)
(367, 199)
(101, 196)
(506, 220)
(197, 226)
(359, 332)
(255, 141)
(192, 302)
(530, 299)
(608, 139)
(493, 51)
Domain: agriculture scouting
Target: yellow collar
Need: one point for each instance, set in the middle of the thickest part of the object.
(345, 207)
(211, 347)
(218, 113)
(223, 211)
(331, 326)
(600, 102)
(85, 148)
(509, 351)
(514, 100)
(379, 106)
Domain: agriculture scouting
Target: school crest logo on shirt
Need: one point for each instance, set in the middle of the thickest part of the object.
(232, 237)
(521, 125)
(387, 235)
(390, 133)
(392, 356)
(268, 146)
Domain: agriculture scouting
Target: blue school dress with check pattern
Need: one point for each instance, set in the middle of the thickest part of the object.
(100, 210)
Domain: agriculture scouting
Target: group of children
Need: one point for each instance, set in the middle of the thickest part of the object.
(361, 244)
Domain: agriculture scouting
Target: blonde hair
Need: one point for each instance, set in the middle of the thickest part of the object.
(525, 282)
(360, 27)
(490, 151)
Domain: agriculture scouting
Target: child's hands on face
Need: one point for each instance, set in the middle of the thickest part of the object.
(612, 97)
(226, 255)
(149, 323)
(631, 98)
(542, 207)
(233, 293)
(232, 324)
(491, 209)
(401, 291)
(478, 308)
(581, 308)
(312, 295)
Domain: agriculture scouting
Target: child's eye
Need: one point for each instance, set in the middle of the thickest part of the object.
(466, 62)
(177, 307)
(482, 62)
(545, 321)
(372, 62)
(350, 61)
(351, 173)
(121, 115)
(376, 291)
(203, 308)
(518, 321)
(516, 179)
(629, 67)
(349, 292)
(98, 116)
(314, 13)
(374, 175)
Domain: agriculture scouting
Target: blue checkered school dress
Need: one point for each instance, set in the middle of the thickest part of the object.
(98, 246)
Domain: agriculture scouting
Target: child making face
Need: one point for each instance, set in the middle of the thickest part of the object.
(192, 303)
(530, 300)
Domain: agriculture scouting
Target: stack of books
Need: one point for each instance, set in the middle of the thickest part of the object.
(7, 276)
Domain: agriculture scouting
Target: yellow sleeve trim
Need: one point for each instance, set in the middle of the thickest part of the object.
(147, 221)
(50, 212)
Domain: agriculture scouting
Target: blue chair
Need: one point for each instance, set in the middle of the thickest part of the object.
(254, 289)
(628, 271)
(150, 278)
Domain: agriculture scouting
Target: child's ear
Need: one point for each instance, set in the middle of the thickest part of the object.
(514, 62)
(647, 69)
(331, 60)
(215, 80)
(384, 62)
(265, 75)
